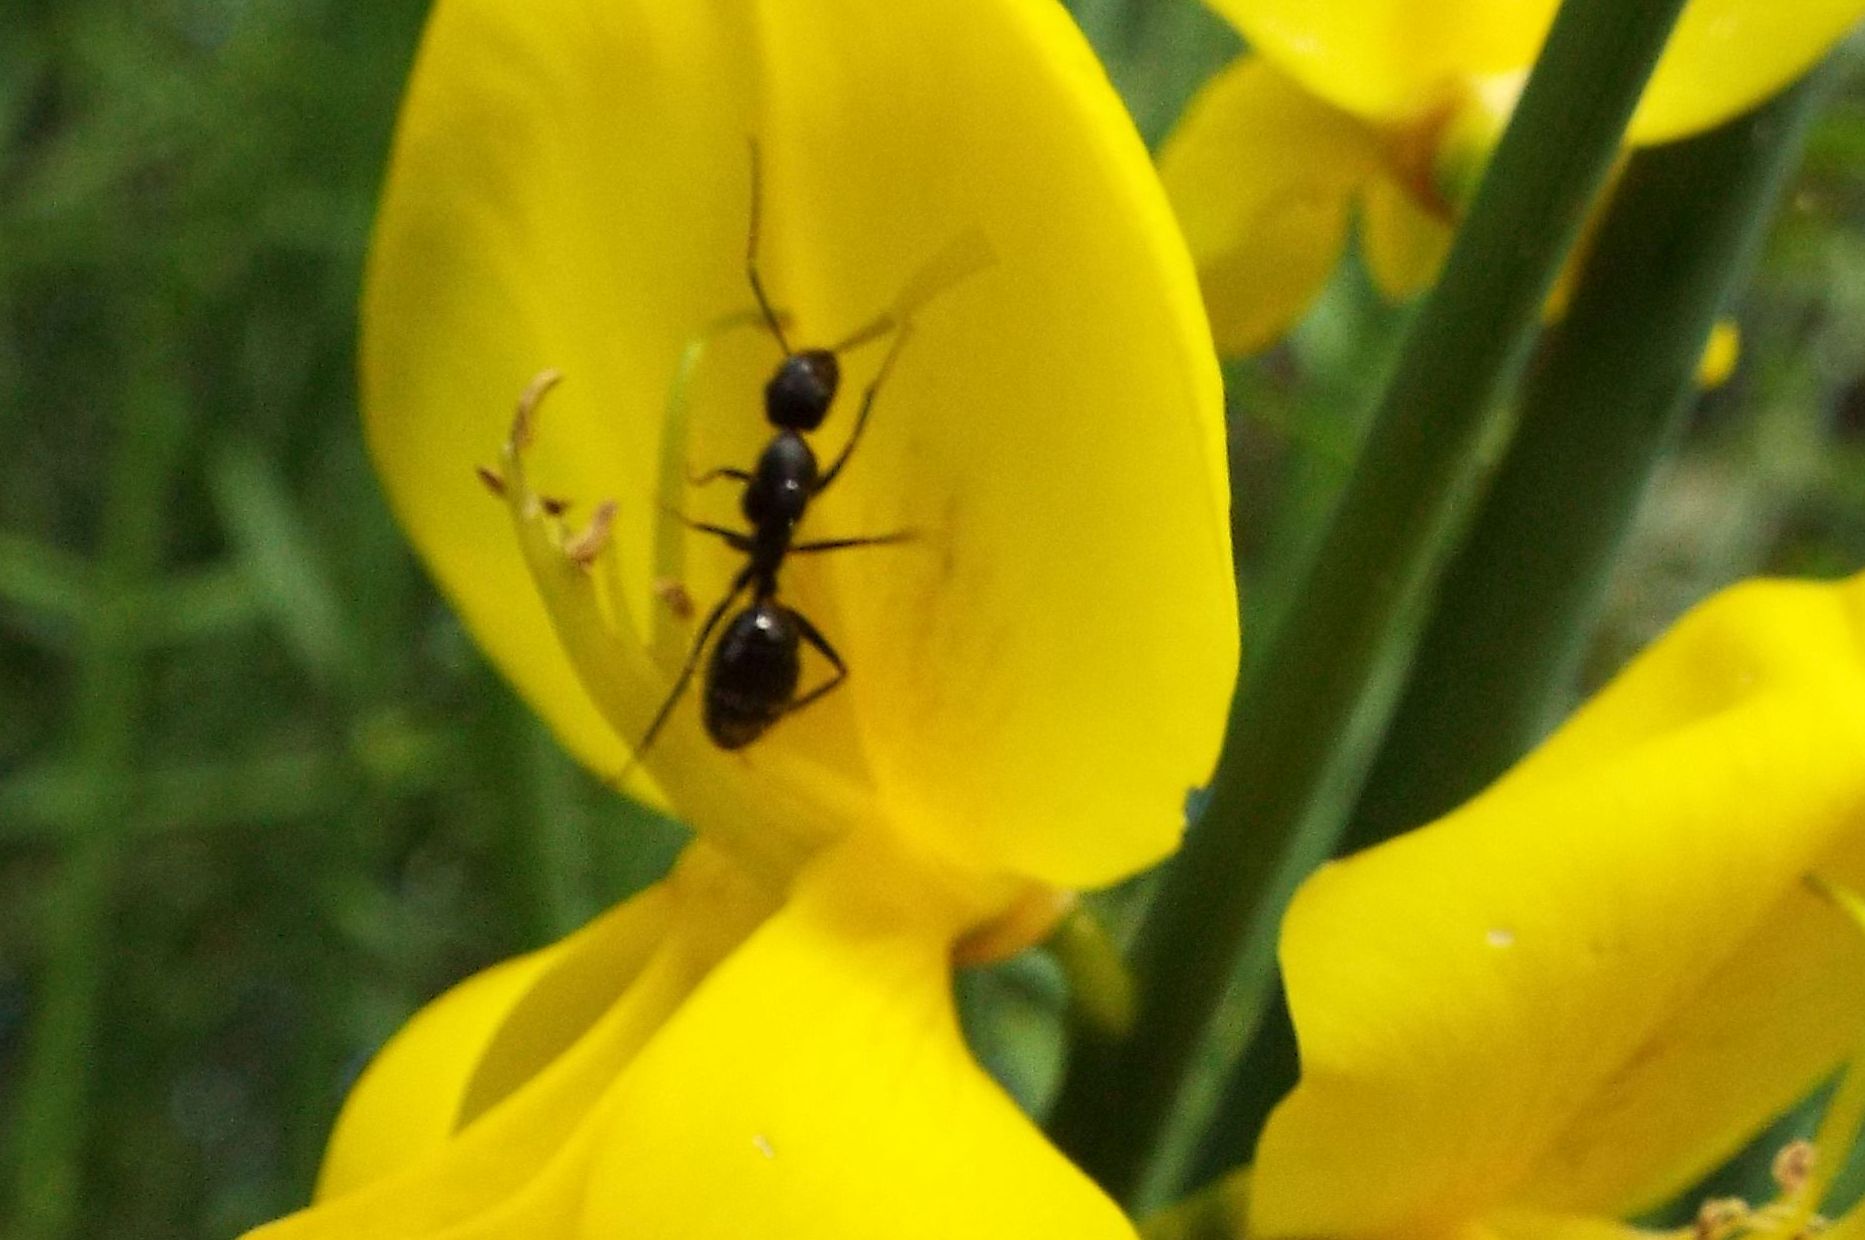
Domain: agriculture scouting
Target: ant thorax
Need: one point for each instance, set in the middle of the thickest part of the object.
(782, 482)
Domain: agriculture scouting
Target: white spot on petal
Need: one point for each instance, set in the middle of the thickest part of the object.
(1499, 937)
(762, 1144)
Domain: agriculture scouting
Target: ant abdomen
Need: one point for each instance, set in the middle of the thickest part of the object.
(752, 679)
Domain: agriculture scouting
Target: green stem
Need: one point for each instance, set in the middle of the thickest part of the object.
(1099, 986)
(44, 580)
(1219, 1211)
(283, 565)
(1319, 695)
(53, 1105)
(197, 605)
(1598, 414)
(56, 802)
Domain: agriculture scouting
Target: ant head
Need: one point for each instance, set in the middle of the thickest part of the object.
(798, 396)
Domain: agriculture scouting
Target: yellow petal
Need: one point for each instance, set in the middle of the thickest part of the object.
(1526, 1225)
(502, 1123)
(527, 222)
(571, 189)
(818, 1086)
(1392, 60)
(1588, 985)
(1749, 639)
(1061, 411)
(1726, 56)
(1263, 176)
(408, 1103)
(1404, 243)
(1398, 60)
(1721, 352)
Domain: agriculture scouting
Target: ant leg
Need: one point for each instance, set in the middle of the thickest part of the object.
(867, 407)
(815, 638)
(733, 539)
(692, 662)
(713, 475)
(751, 252)
(840, 544)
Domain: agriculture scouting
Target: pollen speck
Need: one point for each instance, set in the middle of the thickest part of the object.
(762, 1144)
(586, 546)
(1793, 1165)
(675, 595)
(1721, 1217)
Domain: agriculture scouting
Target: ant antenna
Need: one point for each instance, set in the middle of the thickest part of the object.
(964, 256)
(959, 259)
(874, 329)
(751, 252)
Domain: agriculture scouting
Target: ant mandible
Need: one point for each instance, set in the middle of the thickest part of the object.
(756, 666)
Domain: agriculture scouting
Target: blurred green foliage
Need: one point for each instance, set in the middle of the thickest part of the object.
(259, 794)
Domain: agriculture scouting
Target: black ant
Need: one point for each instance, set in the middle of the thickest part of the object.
(756, 666)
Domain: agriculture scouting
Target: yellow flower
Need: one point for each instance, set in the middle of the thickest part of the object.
(765, 1042)
(1387, 108)
(1562, 1004)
